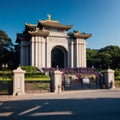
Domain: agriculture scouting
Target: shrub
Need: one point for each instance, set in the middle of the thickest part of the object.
(43, 86)
(117, 72)
(29, 69)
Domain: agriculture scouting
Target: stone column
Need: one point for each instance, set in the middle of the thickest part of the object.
(40, 52)
(43, 52)
(32, 52)
(81, 53)
(72, 55)
(48, 53)
(18, 82)
(36, 51)
(84, 52)
(77, 55)
(109, 78)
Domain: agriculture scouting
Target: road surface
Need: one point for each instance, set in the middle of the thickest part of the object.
(72, 105)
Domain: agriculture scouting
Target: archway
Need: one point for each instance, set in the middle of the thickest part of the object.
(58, 57)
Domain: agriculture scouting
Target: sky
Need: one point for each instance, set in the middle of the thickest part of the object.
(101, 18)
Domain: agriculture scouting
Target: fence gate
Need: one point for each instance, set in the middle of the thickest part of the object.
(71, 83)
(37, 86)
(6, 83)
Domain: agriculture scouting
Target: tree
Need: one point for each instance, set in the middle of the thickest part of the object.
(105, 59)
(91, 57)
(5, 41)
(111, 56)
(6, 46)
(108, 56)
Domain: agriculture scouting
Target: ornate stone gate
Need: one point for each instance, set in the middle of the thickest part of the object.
(38, 44)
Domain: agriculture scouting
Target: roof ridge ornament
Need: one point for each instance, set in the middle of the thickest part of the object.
(49, 17)
(50, 20)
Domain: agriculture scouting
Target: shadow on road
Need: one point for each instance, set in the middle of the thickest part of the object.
(61, 109)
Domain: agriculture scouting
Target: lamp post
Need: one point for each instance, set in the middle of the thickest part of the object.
(4, 68)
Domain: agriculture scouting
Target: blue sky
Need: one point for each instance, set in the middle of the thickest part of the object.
(101, 18)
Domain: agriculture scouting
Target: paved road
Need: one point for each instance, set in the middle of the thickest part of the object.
(75, 105)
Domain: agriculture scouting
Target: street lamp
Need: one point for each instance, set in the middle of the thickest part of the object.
(4, 68)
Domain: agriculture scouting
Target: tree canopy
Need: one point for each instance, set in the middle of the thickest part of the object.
(108, 56)
(6, 47)
(5, 41)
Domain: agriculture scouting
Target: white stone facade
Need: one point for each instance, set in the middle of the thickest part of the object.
(37, 50)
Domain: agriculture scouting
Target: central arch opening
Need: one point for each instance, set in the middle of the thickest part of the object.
(58, 57)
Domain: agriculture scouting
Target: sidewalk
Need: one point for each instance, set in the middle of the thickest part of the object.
(50, 94)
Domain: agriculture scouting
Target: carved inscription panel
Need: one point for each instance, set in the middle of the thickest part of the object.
(59, 40)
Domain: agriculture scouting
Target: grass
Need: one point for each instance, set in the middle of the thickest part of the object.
(27, 78)
(117, 83)
(6, 75)
(37, 79)
(5, 79)
(42, 86)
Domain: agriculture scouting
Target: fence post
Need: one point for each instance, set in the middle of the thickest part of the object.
(18, 81)
(56, 79)
(109, 78)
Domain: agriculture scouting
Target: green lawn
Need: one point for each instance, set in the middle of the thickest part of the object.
(27, 78)
(37, 79)
(117, 83)
(5, 79)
